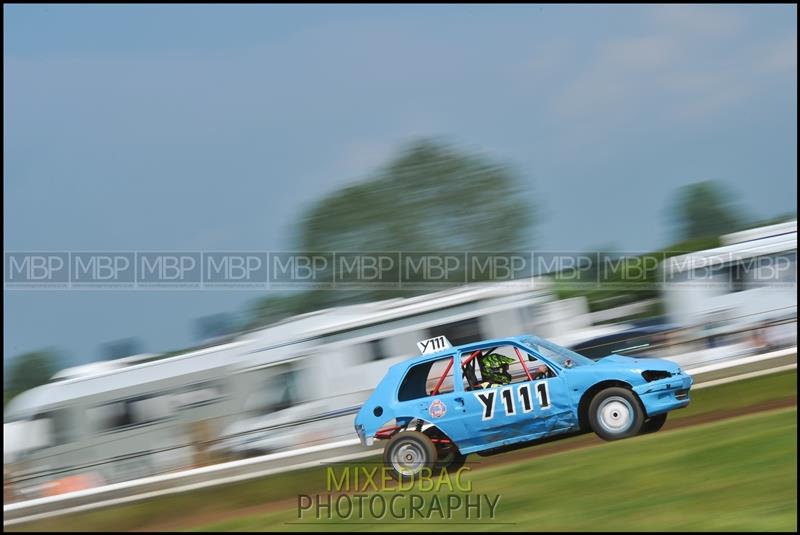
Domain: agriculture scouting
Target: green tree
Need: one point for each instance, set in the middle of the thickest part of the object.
(431, 197)
(706, 209)
(29, 370)
(781, 218)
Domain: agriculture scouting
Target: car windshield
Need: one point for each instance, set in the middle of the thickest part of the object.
(560, 355)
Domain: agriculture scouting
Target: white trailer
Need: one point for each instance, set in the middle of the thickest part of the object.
(751, 278)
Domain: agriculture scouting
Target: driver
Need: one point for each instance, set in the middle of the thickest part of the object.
(540, 372)
(495, 370)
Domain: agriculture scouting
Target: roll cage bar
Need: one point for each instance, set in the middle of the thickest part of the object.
(388, 432)
(471, 374)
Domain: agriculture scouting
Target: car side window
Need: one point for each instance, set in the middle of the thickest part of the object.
(501, 365)
(539, 369)
(425, 379)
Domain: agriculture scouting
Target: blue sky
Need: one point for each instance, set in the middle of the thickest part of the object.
(212, 127)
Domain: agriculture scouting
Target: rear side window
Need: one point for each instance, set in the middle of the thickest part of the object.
(421, 380)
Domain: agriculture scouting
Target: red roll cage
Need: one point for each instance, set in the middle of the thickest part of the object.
(389, 432)
(469, 359)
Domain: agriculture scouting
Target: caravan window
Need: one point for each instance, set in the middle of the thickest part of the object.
(109, 416)
(377, 350)
(149, 409)
(128, 413)
(56, 427)
(277, 389)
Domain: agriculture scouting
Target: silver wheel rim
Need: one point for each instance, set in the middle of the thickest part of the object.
(615, 415)
(408, 458)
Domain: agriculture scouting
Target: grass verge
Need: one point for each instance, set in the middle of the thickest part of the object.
(739, 474)
(224, 499)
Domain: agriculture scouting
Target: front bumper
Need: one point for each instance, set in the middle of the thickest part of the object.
(665, 395)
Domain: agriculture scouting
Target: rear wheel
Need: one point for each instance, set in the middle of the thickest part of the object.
(407, 454)
(615, 413)
(653, 424)
(447, 454)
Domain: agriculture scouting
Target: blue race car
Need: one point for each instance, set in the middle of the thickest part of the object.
(496, 395)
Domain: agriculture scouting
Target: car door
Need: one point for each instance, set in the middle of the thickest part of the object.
(553, 410)
(520, 411)
(431, 391)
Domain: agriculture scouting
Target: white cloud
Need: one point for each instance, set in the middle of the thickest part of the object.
(690, 64)
(707, 21)
(780, 56)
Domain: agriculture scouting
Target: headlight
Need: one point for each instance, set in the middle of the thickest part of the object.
(655, 375)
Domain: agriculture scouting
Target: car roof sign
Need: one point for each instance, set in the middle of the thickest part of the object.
(433, 345)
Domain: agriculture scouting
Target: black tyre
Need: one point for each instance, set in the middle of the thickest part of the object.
(447, 455)
(653, 424)
(407, 454)
(615, 413)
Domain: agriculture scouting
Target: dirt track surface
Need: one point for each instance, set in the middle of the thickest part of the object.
(477, 463)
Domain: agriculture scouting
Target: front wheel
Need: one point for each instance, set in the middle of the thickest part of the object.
(615, 413)
(653, 424)
(407, 454)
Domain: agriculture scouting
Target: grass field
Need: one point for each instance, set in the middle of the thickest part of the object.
(734, 474)
(739, 394)
(739, 474)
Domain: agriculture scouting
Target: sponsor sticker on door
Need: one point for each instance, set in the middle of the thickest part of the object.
(437, 409)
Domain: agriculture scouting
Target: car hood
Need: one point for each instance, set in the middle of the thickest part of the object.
(639, 363)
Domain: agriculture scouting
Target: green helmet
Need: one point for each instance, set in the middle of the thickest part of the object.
(493, 365)
(495, 360)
